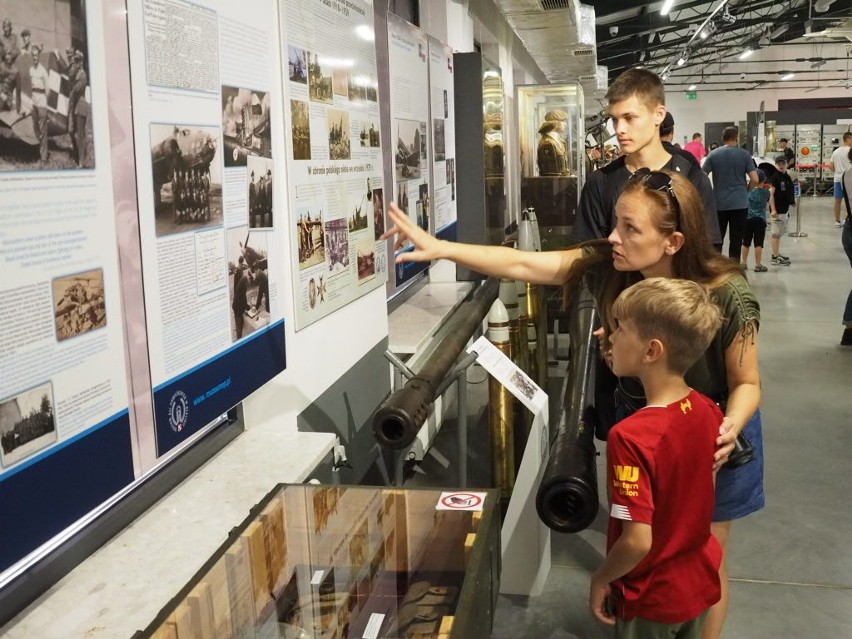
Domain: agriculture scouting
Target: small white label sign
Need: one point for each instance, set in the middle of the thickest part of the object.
(461, 501)
(373, 626)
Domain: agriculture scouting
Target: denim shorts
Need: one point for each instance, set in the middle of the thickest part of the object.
(838, 190)
(739, 491)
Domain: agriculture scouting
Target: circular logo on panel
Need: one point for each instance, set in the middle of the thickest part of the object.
(178, 411)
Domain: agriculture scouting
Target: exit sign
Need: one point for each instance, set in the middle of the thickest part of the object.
(692, 95)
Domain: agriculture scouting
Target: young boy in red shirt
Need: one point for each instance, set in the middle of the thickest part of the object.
(661, 572)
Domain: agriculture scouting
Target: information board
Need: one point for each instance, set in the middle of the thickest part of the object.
(443, 131)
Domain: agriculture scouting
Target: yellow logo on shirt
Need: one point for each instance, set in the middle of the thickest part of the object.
(627, 473)
(686, 406)
(625, 482)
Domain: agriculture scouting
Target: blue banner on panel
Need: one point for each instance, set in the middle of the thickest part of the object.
(46, 496)
(449, 232)
(186, 404)
(407, 270)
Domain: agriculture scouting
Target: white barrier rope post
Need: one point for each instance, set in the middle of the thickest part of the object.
(797, 191)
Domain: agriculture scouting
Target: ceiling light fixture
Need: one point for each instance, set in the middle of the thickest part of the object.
(779, 31)
(691, 87)
(818, 64)
(788, 76)
(667, 6)
(746, 54)
(681, 61)
(704, 35)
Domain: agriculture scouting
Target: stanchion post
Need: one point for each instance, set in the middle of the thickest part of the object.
(797, 192)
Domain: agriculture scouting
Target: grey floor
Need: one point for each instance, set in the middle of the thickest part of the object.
(791, 564)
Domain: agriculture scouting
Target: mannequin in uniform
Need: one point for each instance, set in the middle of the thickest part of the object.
(552, 152)
(493, 144)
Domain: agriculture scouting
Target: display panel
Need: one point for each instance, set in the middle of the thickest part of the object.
(65, 441)
(205, 109)
(337, 191)
(346, 562)
(443, 135)
(409, 120)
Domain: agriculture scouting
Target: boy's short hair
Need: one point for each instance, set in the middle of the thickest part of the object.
(677, 312)
(847, 135)
(644, 84)
(730, 133)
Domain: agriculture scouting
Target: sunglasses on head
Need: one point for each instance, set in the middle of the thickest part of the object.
(656, 180)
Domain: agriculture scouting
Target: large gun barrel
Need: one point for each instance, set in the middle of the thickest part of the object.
(401, 415)
(567, 499)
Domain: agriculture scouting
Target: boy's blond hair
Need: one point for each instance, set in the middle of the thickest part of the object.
(679, 313)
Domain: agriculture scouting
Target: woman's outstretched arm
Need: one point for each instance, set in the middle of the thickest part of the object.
(547, 267)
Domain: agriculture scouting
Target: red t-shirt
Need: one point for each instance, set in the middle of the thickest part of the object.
(696, 147)
(660, 472)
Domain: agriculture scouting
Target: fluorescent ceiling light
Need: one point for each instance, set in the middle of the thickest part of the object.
(788, 76)
(746, 54)
(667, 6)
(817, 64)
(779, 31)
(691, 87)
(704, 34)
(681, 61)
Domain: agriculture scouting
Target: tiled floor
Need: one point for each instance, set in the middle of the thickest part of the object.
(791, 564)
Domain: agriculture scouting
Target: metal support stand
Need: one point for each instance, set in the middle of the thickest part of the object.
(798, 232)
(458, 375)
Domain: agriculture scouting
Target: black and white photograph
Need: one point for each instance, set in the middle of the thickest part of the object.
(340, 83)
(409, 141)
(45, 86)
(246, 128)
(339, 143)
(358, 84)
(259, 185)
(319, 80)
(378, 214)
(451, 177)
(337, 244)
(78, 303)
(248, 281)
(366, 260)
(297, 64)
(27, 423)
(301, 130)
(369, 134)
(423, 142)
(423, 207)
(523, 383)
(438, 137)
(446, 105)
(187, 177)
(373, 89)
(358, 212)
(311, 235)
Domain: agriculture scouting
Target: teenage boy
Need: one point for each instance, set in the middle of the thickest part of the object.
(637, 101)
(839, 163)
(789, 153)
(661, 572)
(781, 197)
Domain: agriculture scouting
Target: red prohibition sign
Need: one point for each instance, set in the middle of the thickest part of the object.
(461, 500)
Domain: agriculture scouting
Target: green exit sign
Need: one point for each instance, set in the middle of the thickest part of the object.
(692, 95)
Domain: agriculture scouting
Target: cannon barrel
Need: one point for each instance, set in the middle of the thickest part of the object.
(567, 499)
(399, 418)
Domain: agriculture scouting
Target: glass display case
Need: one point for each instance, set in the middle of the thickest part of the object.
(495, 155)
(808, 144)
(334, 562)
(551, 125)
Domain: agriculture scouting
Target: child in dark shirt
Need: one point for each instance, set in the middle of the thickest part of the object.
(755, 228)
(781, 197)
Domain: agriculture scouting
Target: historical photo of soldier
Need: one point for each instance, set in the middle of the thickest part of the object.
(259, 185)
(369, 134)
(337, 244)
(297, 64)
(27, 423)
(246, 125)
(187, 177)
(552, 151)
(451, 177)
(378, 214)
(301, 130)
(319, 80)
(439, 141)
(423, 207)
(409, 142)
(248, 281)
(78, 303)
(366, 251)
(310, 234)
(339, 145)
(45, 91)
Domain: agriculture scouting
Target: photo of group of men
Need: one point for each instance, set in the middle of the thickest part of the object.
(27, 423)
(79, 303)
(337, 244)
(45, 91)
(260, 193)
(311, 235)
(339, 145)
(301, 130)
(248, 281)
